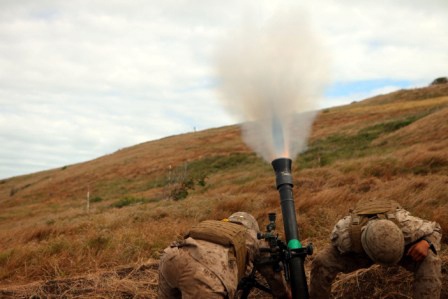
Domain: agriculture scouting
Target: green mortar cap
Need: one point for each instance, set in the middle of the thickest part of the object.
(294, 244)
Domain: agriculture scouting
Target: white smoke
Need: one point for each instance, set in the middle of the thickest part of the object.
(272, 78)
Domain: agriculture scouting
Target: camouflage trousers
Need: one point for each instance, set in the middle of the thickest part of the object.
(181, 276)
(329, 262)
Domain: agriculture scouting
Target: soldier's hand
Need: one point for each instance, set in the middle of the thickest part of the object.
(418, 251)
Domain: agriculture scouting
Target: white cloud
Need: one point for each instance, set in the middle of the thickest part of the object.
(80, 79)
(378, 39)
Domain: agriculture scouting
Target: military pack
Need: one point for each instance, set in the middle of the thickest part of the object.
(224, 233)
(370, 209)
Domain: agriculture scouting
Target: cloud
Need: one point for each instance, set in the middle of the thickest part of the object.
(386, 39)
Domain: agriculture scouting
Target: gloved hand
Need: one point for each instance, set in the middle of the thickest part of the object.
(418, 251)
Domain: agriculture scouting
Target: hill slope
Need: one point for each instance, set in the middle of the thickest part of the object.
(142, 197)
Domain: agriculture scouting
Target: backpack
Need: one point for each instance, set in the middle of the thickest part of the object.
(365, 210)
(224, 233)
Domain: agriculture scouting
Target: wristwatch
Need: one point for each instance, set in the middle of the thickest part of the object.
(431, 246)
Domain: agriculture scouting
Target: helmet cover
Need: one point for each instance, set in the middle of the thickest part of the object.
(245, 219)
(383, 241)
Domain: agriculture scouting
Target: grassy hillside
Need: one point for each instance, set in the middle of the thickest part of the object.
(143, 197)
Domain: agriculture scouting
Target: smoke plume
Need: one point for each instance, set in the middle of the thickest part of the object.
(272, 78)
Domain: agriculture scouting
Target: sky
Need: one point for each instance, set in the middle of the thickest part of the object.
(84, 78)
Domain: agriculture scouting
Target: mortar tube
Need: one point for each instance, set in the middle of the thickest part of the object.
(282, 168)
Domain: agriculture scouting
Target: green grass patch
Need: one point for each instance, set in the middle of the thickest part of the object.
(113, 188)
(129, 200)
(338, 147)
(157, 183)
(215, 164)
(243, 180)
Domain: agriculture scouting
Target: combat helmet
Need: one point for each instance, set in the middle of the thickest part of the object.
(245, 219)
(383, 241)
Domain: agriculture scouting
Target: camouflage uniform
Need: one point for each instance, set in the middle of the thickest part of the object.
(339, 257)
(202, 269)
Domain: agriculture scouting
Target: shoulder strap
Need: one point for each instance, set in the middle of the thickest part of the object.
(358, 221)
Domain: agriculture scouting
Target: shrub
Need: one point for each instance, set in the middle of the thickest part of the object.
(440, 80)
(180, 191)
(126, 201)
(99, 243)
(96, 199)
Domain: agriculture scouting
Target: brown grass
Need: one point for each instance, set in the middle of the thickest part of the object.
(136, 281)
(51, 246)
(381, 282)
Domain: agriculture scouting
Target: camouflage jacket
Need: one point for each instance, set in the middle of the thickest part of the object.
(413, 229)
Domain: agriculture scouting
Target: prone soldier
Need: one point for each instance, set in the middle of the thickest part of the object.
(212, 259)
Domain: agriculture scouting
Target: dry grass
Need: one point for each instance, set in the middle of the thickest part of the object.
(136, 281)
(50, 246)
(381, 282)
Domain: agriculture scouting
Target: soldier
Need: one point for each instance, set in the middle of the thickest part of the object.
(380, 231)
(212, 259)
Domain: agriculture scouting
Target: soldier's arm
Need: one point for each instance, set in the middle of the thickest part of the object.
(415, 229)
(425, 235)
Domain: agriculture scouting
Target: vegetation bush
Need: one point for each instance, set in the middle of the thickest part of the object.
(96, 199)
(127, 201)
(440, 80)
